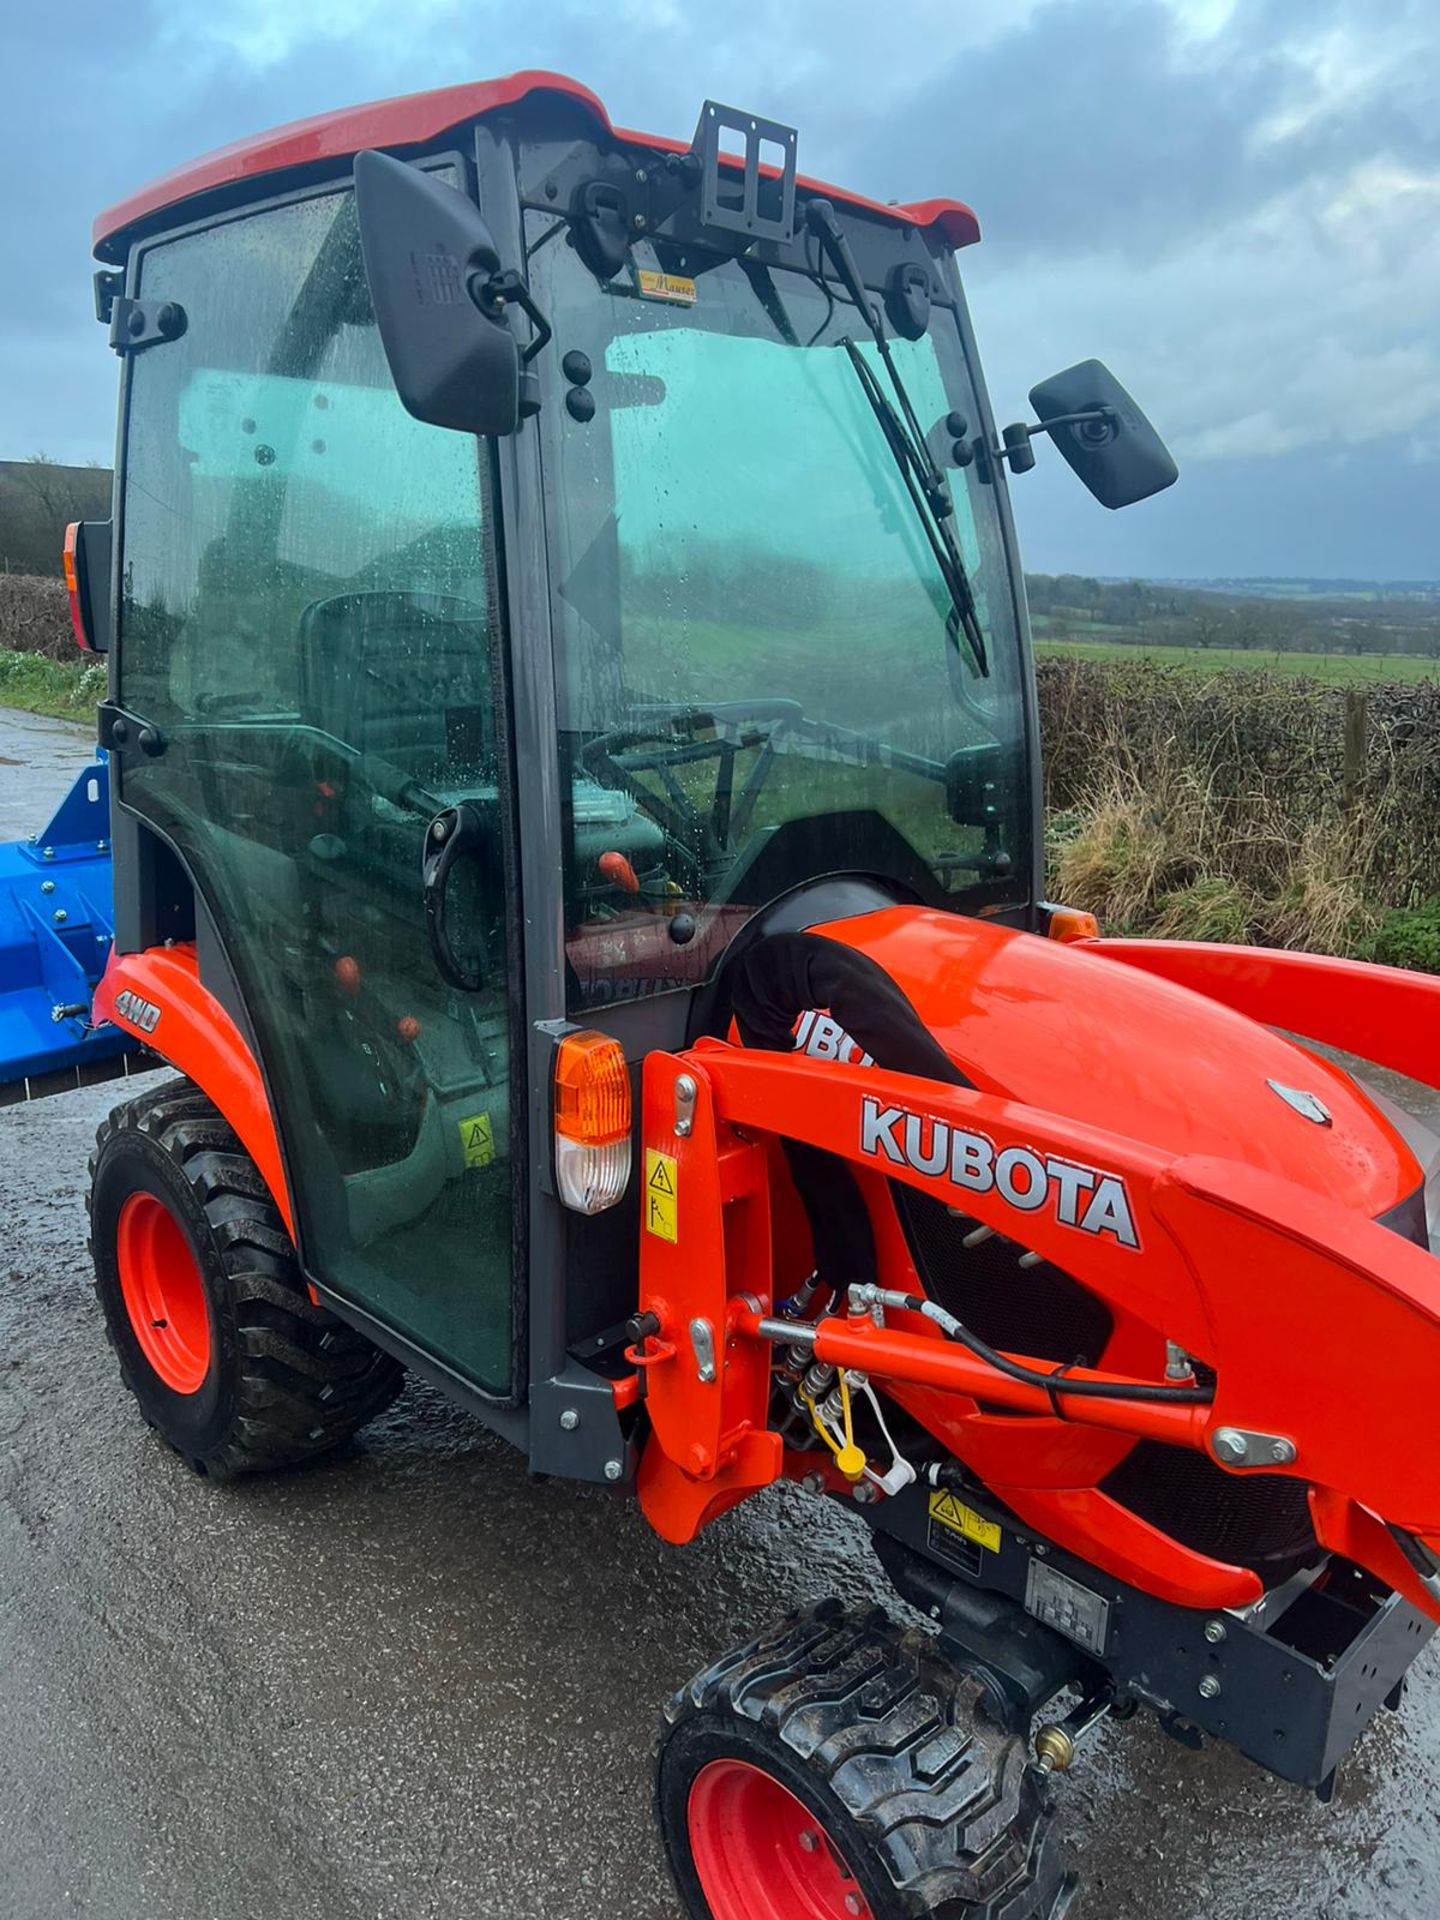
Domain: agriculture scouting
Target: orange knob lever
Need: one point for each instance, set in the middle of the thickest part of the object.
(619, 872)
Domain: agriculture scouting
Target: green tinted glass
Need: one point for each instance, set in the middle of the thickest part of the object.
(306, 618)
(755, 678)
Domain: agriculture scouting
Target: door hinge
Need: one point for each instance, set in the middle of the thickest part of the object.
(120, 732)
(143, 323)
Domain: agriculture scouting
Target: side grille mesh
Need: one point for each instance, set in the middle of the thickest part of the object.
(1038, 1310)
(1255, 1520)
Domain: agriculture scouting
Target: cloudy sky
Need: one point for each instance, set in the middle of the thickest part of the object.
(1234, 202)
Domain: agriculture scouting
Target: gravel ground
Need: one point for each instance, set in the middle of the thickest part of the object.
(412, 1683)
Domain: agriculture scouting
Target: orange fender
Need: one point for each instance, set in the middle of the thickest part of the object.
(157, 996)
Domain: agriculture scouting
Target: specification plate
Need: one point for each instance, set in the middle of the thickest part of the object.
(1062, 1603)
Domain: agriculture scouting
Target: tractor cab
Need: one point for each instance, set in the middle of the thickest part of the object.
(541, 550)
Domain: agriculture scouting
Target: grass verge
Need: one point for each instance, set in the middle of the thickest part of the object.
(1255, 808)
(65, 690)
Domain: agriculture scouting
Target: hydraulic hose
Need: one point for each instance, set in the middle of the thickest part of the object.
(1050, 1382)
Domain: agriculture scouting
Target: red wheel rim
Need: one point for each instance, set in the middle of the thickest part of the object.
(163, 1292)
(761, 1854)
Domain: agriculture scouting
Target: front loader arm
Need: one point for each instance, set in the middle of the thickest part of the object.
(1293, 1301)
(1382, 1014)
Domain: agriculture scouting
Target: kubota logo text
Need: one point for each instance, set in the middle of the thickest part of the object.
(1078, 1196)
(825, 1039)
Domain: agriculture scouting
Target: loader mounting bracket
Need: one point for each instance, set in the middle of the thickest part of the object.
(576, 1432)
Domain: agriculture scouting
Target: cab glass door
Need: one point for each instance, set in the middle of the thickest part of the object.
(308, 622)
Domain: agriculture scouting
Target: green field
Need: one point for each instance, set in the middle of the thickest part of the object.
(1373, 669)
(70, 692)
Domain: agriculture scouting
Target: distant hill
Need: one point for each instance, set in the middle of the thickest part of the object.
(1250, 616)
(1268, 587)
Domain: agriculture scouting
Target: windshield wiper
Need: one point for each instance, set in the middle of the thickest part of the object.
(905, 438)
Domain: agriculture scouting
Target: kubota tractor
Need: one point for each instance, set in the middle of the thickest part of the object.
(576, 828)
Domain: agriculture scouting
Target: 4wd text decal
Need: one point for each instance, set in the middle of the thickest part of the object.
(143, 1014)
(1078, 1196)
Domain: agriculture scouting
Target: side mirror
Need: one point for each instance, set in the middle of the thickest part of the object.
(1103, 434)
(432, 268)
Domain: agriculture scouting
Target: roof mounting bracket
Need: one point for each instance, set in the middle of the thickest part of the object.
(760, 205)
(109, 285)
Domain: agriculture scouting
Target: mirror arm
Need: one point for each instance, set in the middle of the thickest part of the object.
(1107, 414)
(492, 294)
(1017, 449)
(508, 289)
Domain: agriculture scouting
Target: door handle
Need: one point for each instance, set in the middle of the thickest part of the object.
(455, 834)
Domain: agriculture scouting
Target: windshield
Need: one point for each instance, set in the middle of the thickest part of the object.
(756, 684)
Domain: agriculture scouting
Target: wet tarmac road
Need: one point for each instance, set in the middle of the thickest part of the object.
(38, 760)
(411, 1683)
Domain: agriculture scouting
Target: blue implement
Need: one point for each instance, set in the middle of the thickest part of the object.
(57, 925)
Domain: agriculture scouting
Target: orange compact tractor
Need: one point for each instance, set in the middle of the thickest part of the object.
(576, 833)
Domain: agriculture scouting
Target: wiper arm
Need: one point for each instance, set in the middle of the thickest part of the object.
(904, 436)
(963, 617)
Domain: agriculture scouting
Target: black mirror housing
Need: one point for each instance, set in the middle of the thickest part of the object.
(429, 260)
(1119, 456)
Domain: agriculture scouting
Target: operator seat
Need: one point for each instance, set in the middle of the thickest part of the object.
(404, 679)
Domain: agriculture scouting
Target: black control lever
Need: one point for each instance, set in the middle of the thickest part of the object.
(455, 834)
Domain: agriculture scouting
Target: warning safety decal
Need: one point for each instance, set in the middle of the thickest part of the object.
(662, 1204)
(959, 1518)
(477, 1140)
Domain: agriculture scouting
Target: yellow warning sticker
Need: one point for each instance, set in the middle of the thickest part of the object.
(666, 286)
(662, 1204)
(959, 1518)
(477, 1140)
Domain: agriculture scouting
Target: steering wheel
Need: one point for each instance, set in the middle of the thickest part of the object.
(702, 836)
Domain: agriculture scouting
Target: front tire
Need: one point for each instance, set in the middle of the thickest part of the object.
(204, 1301)
(839, 1769)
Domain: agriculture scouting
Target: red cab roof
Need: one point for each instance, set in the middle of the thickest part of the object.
(415, 120)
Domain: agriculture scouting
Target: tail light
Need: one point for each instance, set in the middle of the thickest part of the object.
(85, 558)
(72, 586)
(592, 1122)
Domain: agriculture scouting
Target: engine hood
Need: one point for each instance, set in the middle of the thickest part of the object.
(1066, 1029)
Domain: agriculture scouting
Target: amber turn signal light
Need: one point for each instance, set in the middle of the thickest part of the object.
(592, 1121)
(1069, 924)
